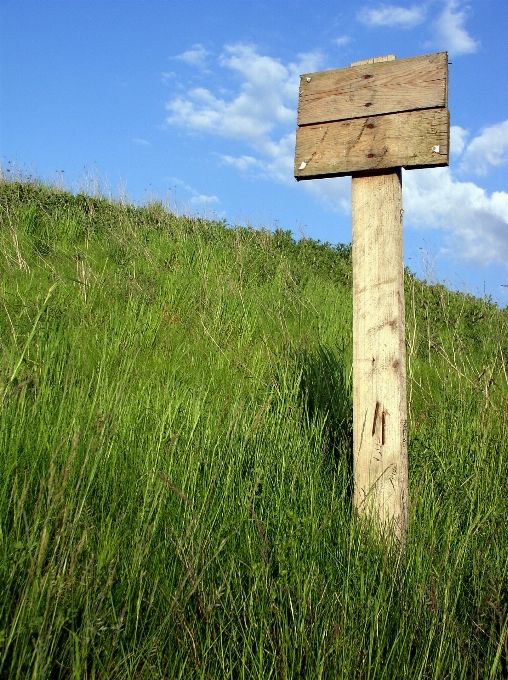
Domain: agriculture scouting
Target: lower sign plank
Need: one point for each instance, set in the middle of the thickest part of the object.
(412, 139)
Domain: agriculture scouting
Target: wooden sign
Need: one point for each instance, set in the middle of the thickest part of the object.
(372, 116)
(369, 121)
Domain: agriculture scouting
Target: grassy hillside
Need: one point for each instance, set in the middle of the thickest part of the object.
(175, 437)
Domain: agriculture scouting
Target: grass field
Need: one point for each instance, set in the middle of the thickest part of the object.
(175, 468)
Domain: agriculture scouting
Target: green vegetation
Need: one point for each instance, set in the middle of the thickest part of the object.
(175, 445)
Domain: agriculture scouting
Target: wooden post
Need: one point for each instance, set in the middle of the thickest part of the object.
(369, 121)
(379, 352)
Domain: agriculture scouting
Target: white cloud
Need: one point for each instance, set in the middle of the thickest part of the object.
(276, 163)
(141, 142)
(268, 97)
(488, 148)
(334, 192)
(243, 163)
(343, 40)
(203, 199)
(474, 222)
(259, 114)
(449, 31)
(196, 197)
(458, 138)
(194, 57)
(392, 15)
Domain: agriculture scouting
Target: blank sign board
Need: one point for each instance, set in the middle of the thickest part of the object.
(373, 116)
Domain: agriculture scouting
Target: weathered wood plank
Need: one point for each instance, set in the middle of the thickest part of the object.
(379, 352)
(374, 60)
(415, 139)
(374, 88)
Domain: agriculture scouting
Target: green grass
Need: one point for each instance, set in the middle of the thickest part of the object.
(175, 439)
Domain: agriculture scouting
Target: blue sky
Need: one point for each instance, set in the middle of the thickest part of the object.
(194, 102)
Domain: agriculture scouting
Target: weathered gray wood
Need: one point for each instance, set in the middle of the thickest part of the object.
(415, 139)
(374, 87)
(379, 352)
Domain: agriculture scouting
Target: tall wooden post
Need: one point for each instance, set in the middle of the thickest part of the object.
(369, 121)
(379, 351)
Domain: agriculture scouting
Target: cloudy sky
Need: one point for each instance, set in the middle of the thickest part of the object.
(194, 101)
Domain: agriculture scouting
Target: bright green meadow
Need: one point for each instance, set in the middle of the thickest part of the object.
(175, 458)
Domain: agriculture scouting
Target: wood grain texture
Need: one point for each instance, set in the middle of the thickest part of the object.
(374, 60)
(379, 352)
(415, 139)
(374, 88)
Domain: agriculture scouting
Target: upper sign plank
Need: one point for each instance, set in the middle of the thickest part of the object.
(373, 89)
